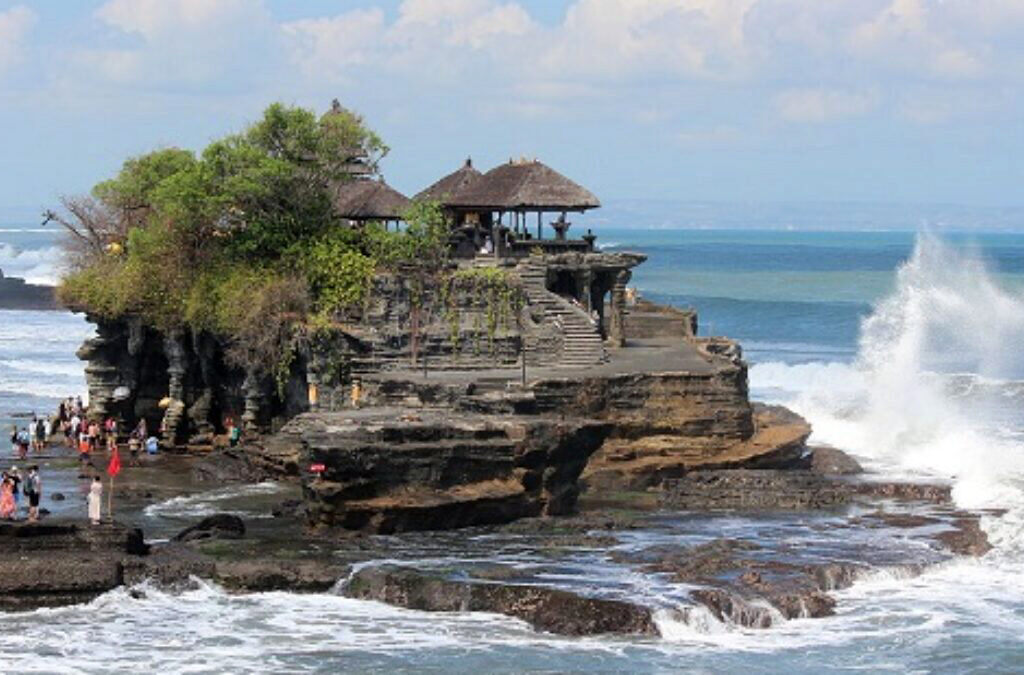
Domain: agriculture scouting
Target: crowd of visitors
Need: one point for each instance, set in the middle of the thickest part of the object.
(87, 437)
(20, 493)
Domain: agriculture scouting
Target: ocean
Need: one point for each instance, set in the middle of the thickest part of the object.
(903, 348)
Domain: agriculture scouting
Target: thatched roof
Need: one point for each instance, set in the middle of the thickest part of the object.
(452, 185)
(367, 199)
(525, 185)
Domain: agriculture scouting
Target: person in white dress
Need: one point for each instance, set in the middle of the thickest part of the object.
(95, 500)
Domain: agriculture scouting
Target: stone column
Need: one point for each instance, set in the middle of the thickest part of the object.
(313, 383)
(583, 281)
(174, 415)
(253, 401)
(616, 330)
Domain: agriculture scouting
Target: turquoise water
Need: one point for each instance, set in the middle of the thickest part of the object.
(901, 349)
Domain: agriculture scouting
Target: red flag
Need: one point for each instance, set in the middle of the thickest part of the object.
(114, 467)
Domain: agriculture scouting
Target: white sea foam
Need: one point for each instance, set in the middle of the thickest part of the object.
(210, 502)
(35, 265)
(919, 397)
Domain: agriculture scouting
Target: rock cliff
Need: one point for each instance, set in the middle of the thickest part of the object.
(387, 470)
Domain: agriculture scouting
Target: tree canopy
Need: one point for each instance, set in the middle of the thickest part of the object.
(240, 239)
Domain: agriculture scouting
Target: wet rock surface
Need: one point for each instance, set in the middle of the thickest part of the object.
(217, 526)
(754, 489)
(57, 562)
(546, 609)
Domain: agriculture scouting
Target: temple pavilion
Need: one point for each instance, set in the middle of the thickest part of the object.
(503, 211)
(363, 200)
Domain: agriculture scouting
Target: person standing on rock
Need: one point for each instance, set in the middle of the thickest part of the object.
(15, 477)
(95, 500)
(7, 507)
(33, 491)
(39, 432)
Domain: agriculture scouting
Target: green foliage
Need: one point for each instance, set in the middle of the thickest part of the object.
(149, 282)
(339, 273)
(422, 245)
(241, 239)
(493, 291)
(134, 190)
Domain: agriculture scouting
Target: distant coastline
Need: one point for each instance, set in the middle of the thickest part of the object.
(16, 293)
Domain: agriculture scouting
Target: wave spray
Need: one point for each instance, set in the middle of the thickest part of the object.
(937, 388)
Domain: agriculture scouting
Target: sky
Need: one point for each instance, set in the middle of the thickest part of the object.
(731, 101)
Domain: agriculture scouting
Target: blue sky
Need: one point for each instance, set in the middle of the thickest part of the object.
(907, 101)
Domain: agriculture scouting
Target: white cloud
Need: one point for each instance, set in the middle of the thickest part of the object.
(190, 43)
(15, 24)
(616, 39)
(460, 23)
(823, 105)
(326, 47)
(431, 40)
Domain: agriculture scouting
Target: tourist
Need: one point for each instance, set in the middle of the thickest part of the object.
(15, 475)
(84, 450)
(110, 427)
(94, 436)
(134, 445)
(357, 391)
(33, 490)
(95, 500)
(39, 432)
(152, 445)
(8, 510)
(24, 440)
(140, 430)
(14, 439)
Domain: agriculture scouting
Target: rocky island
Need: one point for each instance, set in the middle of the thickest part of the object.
(16, 293)
(457, 362)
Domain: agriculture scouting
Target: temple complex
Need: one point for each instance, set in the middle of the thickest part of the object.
(483, 387)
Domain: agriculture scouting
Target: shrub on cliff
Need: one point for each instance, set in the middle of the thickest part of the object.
(240, 240)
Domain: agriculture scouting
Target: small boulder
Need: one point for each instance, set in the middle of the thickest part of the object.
(217, 526)
(57, 496)
(833, 462)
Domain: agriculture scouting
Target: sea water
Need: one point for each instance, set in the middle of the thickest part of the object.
(904, 349)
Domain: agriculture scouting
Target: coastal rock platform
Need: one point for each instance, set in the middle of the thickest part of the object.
(386, 469)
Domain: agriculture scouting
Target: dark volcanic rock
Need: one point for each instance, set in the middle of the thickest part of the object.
(918, 492)
(754, 489)
(742, 587)
(63, 562)
(831, 461)
(15, 293)
(545, 609)
(967, 537)
(279, 575)
(217, 526)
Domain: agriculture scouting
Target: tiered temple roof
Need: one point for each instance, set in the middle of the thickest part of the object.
(368, 199)
(449, 187)
(524, 185)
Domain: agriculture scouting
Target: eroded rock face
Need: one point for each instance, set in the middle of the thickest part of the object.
(188, 368)
(61, 562)
(546, 609)
(389, 470)
(639, 457)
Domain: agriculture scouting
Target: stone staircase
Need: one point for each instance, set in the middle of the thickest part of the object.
(581, 343)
